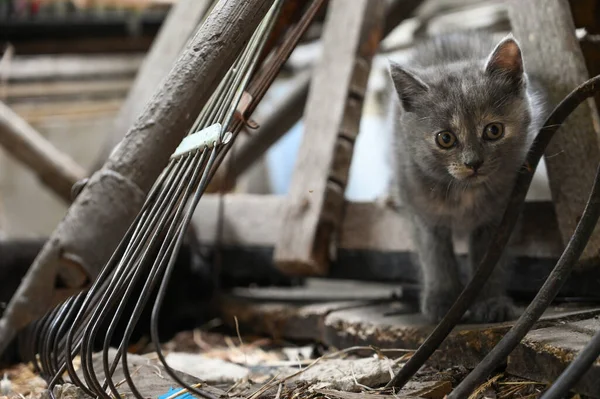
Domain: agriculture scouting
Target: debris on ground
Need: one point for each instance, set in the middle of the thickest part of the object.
(259, 368)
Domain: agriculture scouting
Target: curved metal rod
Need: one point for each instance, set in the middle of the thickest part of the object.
(111, 274)
(186, 184)
(501, 235)
(163, 286)
(91, 295)
(122, 288)
(542, 300)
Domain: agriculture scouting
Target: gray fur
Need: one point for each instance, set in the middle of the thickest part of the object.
(454, 83)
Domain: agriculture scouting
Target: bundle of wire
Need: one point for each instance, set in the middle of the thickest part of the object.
(148, 250)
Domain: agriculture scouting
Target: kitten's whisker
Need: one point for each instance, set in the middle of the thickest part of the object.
(553, 155)
(551, 126)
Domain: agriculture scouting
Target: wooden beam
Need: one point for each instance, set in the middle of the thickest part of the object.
(90, 89)
(83, 45)
(255, 221)
(284, 117)
(181, 22)
(56, 170)
(56, 67)
(314, 206)
(552, 54)
(291, 109)
(101, 214)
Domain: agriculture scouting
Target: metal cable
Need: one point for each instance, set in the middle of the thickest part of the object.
(501, 236)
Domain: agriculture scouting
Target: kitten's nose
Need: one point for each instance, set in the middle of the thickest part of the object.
(474, 165)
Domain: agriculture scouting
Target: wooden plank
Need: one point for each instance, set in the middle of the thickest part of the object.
(383, 323)
(407, 329)
(56, 170)
(256, 220)
(290, 110)
(86, 45)
(314, 207)
(45, 90)
(545, 353)
(586, 14)
(48, 67)
(66, 110)
(552, 54)
(181, 22)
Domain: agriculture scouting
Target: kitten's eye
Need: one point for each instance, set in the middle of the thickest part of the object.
(445, 139)
(493, 131)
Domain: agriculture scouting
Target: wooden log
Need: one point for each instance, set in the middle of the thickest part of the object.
(56, 170)
(181, 22)
(553, 55)
(99, 217)
(315, 202)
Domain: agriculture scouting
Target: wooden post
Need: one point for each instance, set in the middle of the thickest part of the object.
(99, 217)
(314, 207)
(290, 110)
(552, 53)
(181, 22)
(55, 170)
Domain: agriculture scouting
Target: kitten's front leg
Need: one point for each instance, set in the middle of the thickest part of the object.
(492, 305)
(440, 277)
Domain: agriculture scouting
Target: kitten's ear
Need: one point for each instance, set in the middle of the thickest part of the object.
(506, 59)
(407, 84)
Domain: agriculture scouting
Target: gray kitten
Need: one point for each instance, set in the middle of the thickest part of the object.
(465, 116)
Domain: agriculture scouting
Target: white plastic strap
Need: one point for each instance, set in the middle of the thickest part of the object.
(207, 137)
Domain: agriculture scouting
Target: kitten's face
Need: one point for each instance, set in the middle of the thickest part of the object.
(467, 122)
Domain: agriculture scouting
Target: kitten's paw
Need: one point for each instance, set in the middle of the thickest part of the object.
(435, 304)
(493, 310)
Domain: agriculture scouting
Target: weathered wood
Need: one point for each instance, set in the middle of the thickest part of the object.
(256, 220)
(56, 170)
(545, 353)
(291, 109)
(388, 324)
(586, 14)
(37, 90)
(314, 206)
(181, 22)
(54, 67)
(87, 45)
(553, 55)
(66, 110)
(101, 214)
(328, 393)
(284, 117)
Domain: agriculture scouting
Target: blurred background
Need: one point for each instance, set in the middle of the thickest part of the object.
(66, 68)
